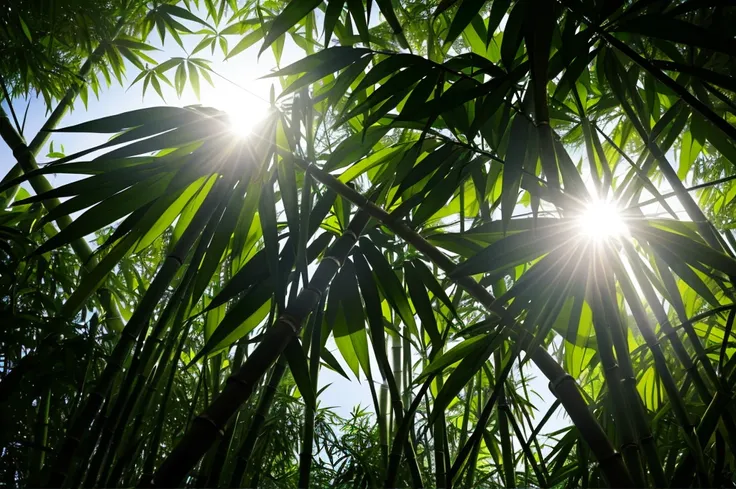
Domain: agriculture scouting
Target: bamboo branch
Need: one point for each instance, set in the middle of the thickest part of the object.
(564, 386)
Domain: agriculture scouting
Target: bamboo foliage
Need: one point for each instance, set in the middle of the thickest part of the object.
(413, 214)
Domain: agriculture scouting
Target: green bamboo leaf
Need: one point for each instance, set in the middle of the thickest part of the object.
(516, 249)
(289, 196)
(688, 250)
(344, 80)
(513, 33)
(698, 73)
(254, 307)
(458, 352)
(355, 147)
(267, 215)
(332, 16)
(193, 78)
(374, 314)
(388, 12)
(679, 31)
(93, 280)
(135, 44)
(465, 13)
(299, 368)
(327, 61)
(355, 7)
(422, 304)
(471, 363)
(498, 11)
(25, 29)
(686, 274)
(140, 117)
(389, 283)
(513, 165)
(349, 325)
(108, 211)
(394, 90)
(180, 79)
(204, 43)
(247, 41)
(292, 14)
(217, 247)
(202, 189)
(431, 282)
(182, 13)
(332, 363)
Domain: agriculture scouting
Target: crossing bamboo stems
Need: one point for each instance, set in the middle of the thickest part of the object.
(564, 386)
(137, 322)
(207, 426)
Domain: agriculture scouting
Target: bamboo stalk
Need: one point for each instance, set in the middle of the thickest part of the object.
(220, 455)
(401, 443)
(238, 389)
(439, 443)
(633, 403)
(107, 437)
(305, 456)
(264, 405)
(479, 425)
(41, 437)
(150, 460)
(564, 386)
(135, 325)
(507, 453)
(382, 427)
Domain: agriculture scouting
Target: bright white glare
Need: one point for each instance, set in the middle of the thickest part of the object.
(244, 109)
(602, 220)
(243, 122)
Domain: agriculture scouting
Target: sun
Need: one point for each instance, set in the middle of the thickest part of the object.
(242, 122)
(245, 110)
(601, 220)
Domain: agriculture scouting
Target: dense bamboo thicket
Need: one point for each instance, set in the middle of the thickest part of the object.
(449, 203)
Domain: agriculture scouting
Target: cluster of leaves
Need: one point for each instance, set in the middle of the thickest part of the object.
(459, 139)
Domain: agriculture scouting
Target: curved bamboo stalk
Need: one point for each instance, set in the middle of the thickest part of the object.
(564, 386)
(208, 425)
